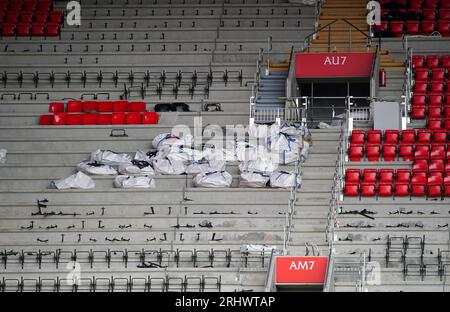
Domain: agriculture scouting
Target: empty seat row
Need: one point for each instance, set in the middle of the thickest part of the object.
(435, 100)
(437, 74)
(431, 61)
(415, 4)
(30, 17)
(33, 29)
(396, 136)
(399, 28)
(77, 106)
(432, 88)
(420, 111)
(429, 14)
(26, 5)
(132, 118)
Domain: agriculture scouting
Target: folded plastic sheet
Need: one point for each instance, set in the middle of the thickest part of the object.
(213, 179)
(139, 167)
(125, 181)
(143, 156)
(169, 166)
(3, 153)
(253, 179)
(204, 166)
(96, 168)
(75, 181)
(108, 157)
(282, 179)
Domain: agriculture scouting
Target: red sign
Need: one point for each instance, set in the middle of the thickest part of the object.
(329, 65)
(300, 270)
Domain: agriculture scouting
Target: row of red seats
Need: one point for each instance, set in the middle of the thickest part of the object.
(426, 14)
(434, 113)
(388, 182)
(431, 61)
(61, 119)
(432, 100)
(432, 88)
(31, 16)
(26, 5)
(404, 151)
(399, 28)
(432, 75)
(34, 29)
(415, 4)
(396, 136)
(76, 106)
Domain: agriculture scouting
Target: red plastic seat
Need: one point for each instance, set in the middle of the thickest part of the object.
(55, 17)
(119, 119)
(420, 87)
(385, 189)
(434, 186)
(74, 119)
(382, 27)
(444, 28)
(56, 107)
(391, 136)
(428, 27)
(445, 61)
(420, 165)
(436, 100)
(373, 152)
(352, 175)
(134, 118)
(416, 4)
(38, 29)
(435, 112)
(74, 106)
(433, 61)
(356, 152)
(41, 17)
(436, 165)
(104, 119)
(445, 4)
(351, 189)
(15, 6)
(412, 28)
(440, 136)
(419, 100)
(150, 118)
(12, 17)
(90, 106)
(59, 119)
(437, 155)
(358, 137)
(421, 154)
(26, 17)
(46, 120)
(447, 186)
(403, 175)
(418, 61)
(368, 189)
(438, 75)
(418, 186)
(386, 175)
(52, 30)
(431, 3)
(105, 106)
(389, 152)
(422, 75)
(137, 107)
(409, 136)
(120, 106)
(436, 88)
(8, 30)
(401, 189)
(90, 119)
(419, 112)
(406, 151)
(370, 175)
(447, 124)
(424, 136)
(435, 123)
(374, 136)
(397, 28)
(438, 147)
(45, 5)
(29, 5)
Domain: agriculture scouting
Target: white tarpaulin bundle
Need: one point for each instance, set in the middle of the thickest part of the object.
(169, 166)
(284, 142)
(168, 139)
(77, 181)
(204, 166)
(143, 156)
(288, 157)
(305, 151)
(284, 179)
(260, 165)
(257, 248)
(124, 181)
(249, 152)
(3, 153)
(136, 167)
(95, 168)
(213, 179)
(263, 131)
(214, 153)
(293, 130)
(253, 179)
(108, 157)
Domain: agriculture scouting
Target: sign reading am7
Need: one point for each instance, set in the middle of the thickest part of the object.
(300, 270)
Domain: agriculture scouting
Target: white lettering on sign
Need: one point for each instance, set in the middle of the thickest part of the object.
(302, 265)
(335, 60)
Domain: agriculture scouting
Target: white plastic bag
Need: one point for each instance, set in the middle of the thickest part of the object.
(108, 157)
(78, 181)
(96, 168)
(169, 166)
(288, 157)
(204, 165)
(284, 143)
(213, 179)
(125, 181)
(262, 131)
(284, 179)
(168, 139)
(3, 153)
(253, 179)
(136, 167)
(260, 165)
(143, 156)
(305, 151)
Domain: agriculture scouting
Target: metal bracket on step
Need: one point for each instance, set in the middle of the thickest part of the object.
(122, 133)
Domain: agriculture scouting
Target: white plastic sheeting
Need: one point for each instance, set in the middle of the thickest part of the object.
(168, 139)
(143, 156)
(75, 181)
(213, 179)
(213, 153)
(253, 179)
(283, 179)
(257, 248)
(96, 168)
(108, 157)
(125, 181)
(204, 166)
(260, 165)
(263, 131)
(3, 153)
(136, 167)
(169, 166)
